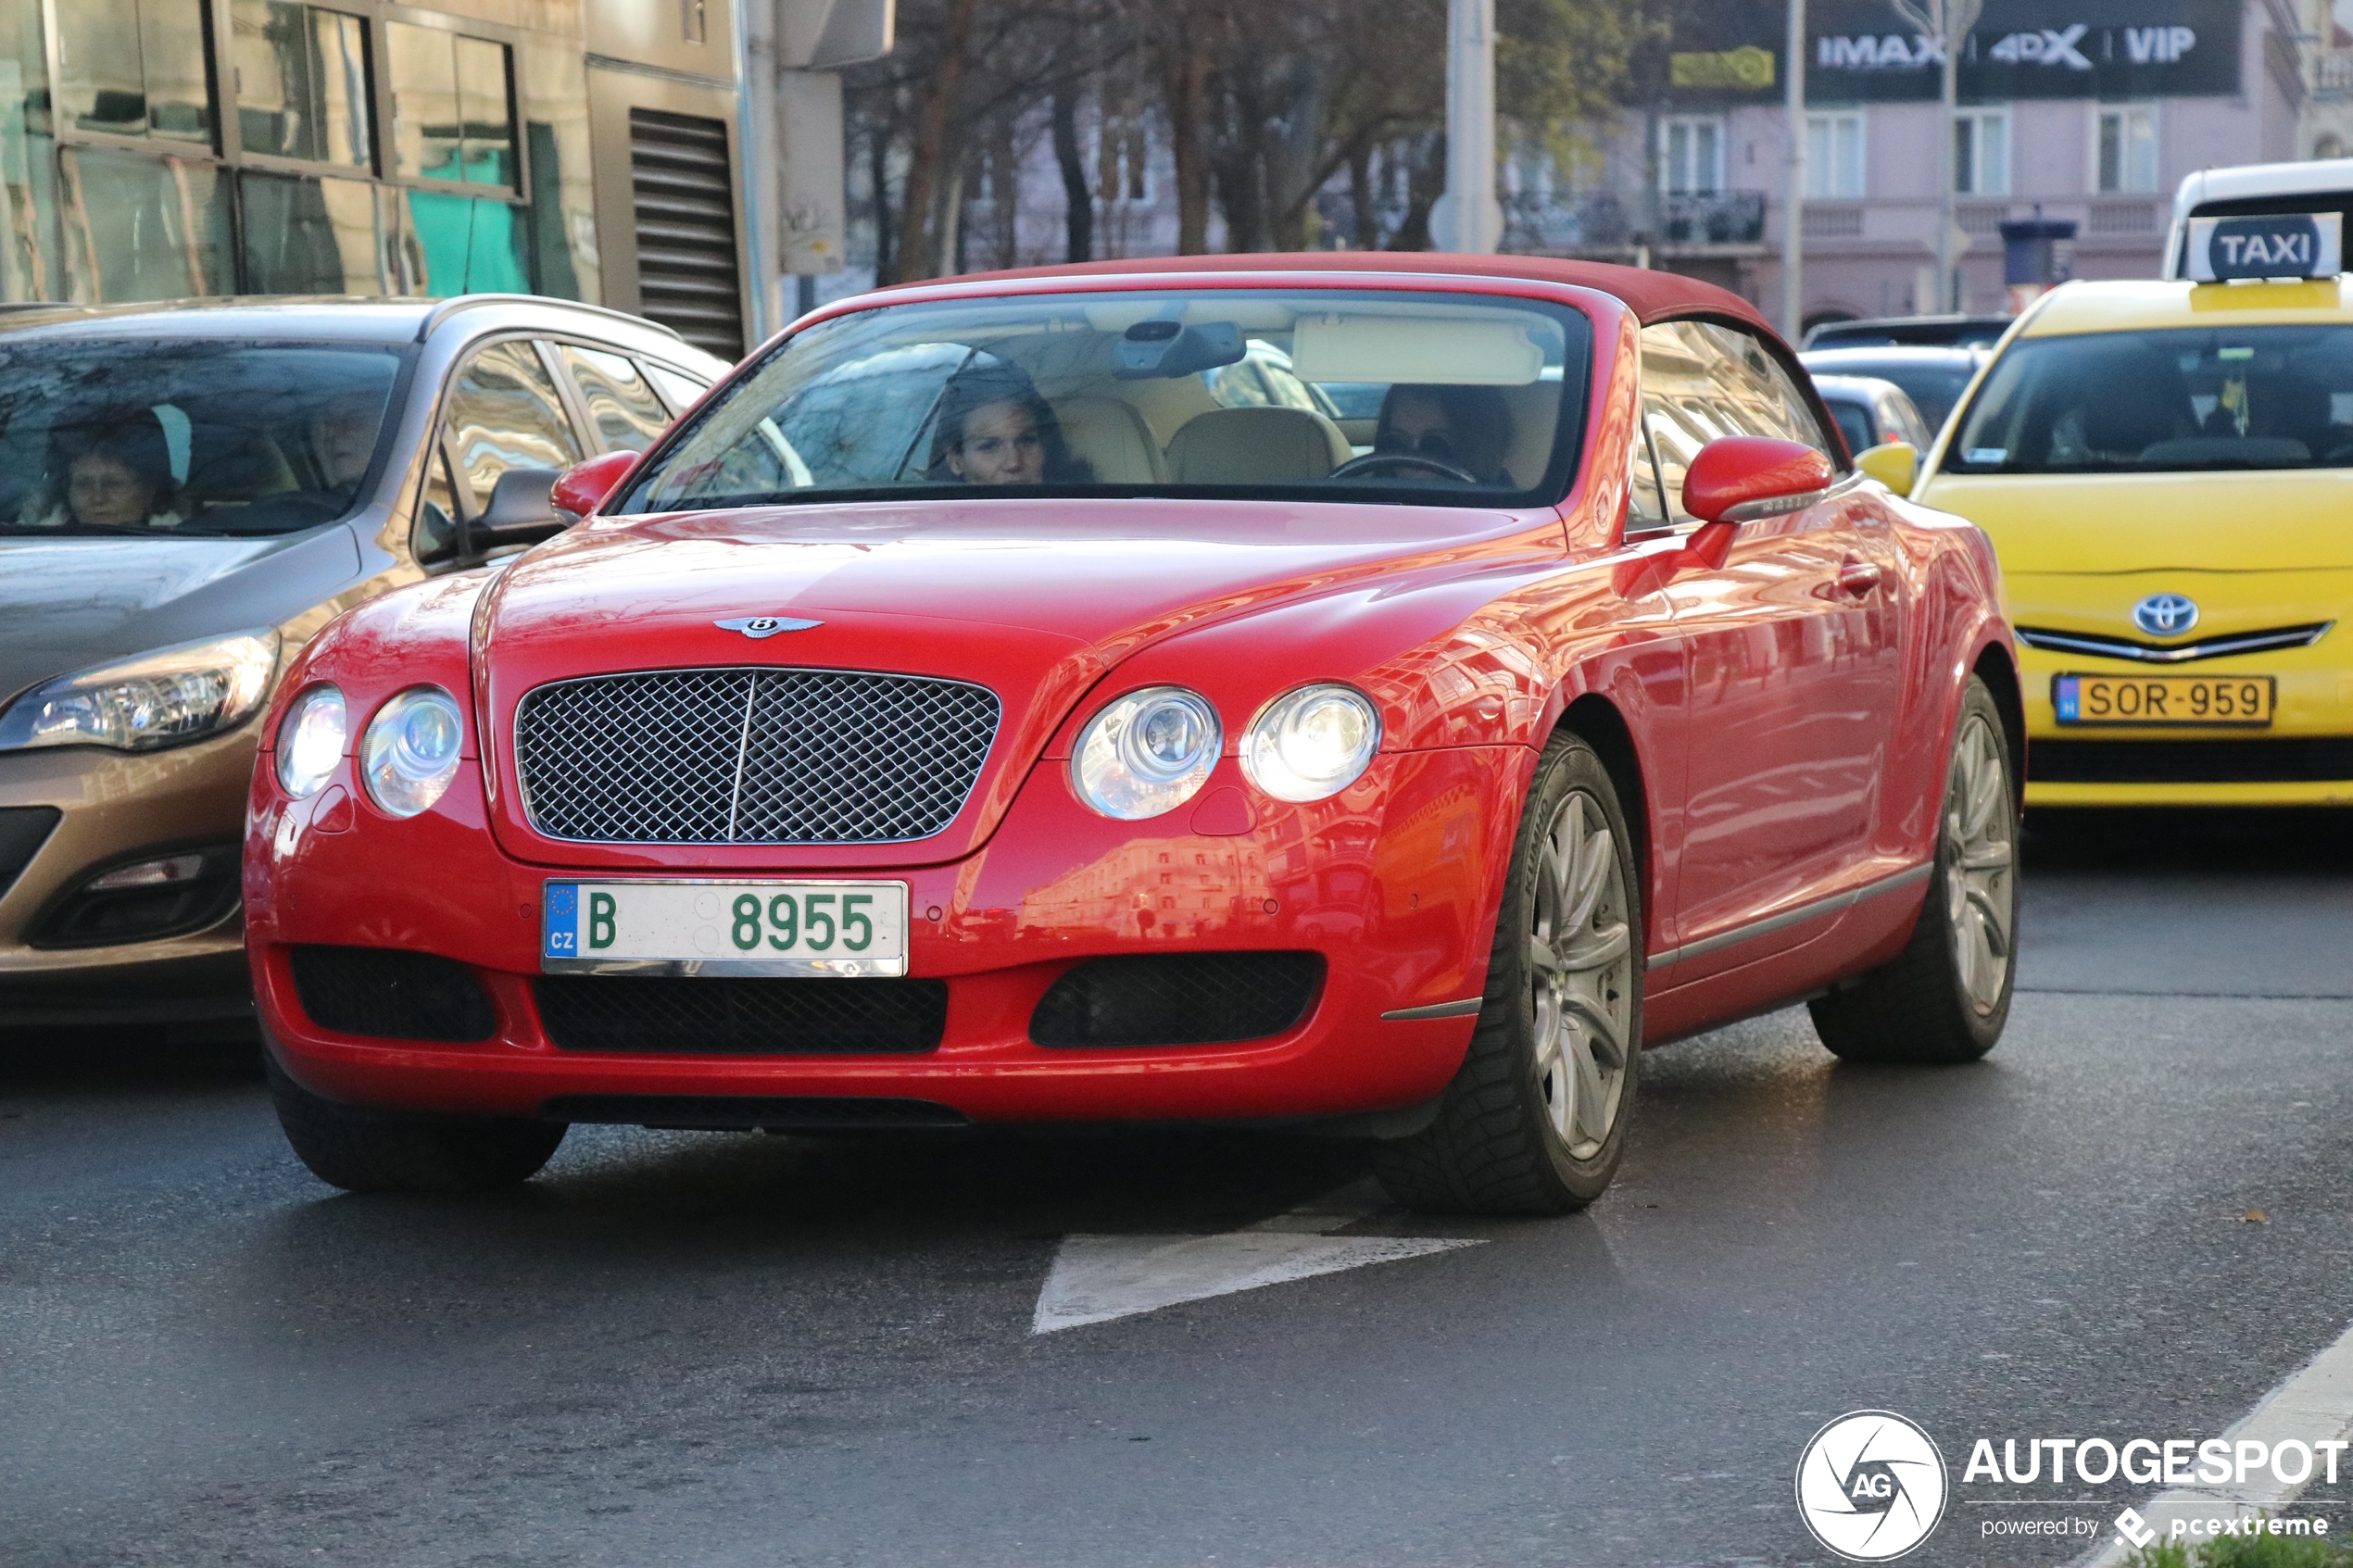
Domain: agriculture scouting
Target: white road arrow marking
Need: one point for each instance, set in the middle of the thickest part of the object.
(1096, 1278)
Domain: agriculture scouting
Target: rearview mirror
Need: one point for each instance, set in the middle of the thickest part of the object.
(1740, 478)
(1163, 350)
(522, 511)
(1892, 463)
(584, 486)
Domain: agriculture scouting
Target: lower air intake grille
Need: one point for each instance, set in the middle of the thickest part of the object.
(713, 1017)
(2190, 762)
(1178, 999)
(779, 1113)
(392, 994)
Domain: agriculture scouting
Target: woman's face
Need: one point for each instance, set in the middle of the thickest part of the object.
(1001, 447)
(103, 493)
(1420, 425)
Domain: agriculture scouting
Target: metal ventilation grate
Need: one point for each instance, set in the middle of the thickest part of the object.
(684, 201)
(723, 1017)
(1178, 999)
(750, 756)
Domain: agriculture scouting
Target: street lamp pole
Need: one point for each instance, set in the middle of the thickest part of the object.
(1948, 22)
(1468, 217)
(1793, 207)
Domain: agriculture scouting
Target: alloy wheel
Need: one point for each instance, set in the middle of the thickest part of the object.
(1581, 974)
(1978, 847)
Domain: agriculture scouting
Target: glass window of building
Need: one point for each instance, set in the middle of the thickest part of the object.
(2127, 150)
(134, 69)
(1691, 162)
(140, 228)
(450, 113)
(301, 82)
(1834, 156)
(1982, 153)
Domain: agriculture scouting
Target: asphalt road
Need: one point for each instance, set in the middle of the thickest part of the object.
(733, 1350)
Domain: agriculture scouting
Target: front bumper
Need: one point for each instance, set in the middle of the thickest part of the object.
(2304, 757)
(1395, 883)
(114, 807)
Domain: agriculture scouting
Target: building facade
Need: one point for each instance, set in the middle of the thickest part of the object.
(586, 149)
(2088, 111)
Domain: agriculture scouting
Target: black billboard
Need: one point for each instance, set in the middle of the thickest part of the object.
(1861, 51)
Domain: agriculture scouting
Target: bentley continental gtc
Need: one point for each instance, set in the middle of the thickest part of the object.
(974, 712)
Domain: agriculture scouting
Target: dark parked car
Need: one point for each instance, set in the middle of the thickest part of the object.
(1933, 378)
(188, 491)
(1910, 332)
(1872, 412)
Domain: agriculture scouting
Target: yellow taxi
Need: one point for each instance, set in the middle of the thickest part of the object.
(2166, 469)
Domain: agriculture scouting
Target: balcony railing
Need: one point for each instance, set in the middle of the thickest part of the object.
(1606, 221)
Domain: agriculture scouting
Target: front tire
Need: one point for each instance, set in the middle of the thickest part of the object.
(381, 1151)
(1946, 996)
(1535, 1121)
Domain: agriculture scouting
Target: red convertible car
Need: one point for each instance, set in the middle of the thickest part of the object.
(1376, 693)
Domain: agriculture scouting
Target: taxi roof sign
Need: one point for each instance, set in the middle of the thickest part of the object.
(2265, 247)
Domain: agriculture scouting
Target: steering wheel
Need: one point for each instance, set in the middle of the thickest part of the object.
(1372, 461)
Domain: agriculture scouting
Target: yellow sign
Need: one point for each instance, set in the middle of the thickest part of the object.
(1745, 69)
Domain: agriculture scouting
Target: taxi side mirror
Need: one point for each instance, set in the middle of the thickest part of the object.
(1894, 463)
(584, 486)
(1738, 478)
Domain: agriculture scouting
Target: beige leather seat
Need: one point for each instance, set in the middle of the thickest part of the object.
(1255, 446)
(1112, 436)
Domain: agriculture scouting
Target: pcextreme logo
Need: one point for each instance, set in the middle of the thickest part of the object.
(1870, 1486)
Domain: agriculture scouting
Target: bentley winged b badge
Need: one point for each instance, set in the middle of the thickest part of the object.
(759, 626)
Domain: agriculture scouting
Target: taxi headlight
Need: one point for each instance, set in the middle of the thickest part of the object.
(167, 697)
(1149, 752)
(411, 751)
(310, 741)
(1311, 743)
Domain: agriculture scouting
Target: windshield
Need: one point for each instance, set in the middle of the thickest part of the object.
(2170, 401)
(193, 437)
(1444, 400)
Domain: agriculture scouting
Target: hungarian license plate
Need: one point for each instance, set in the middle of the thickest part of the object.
(2230, 701)
(739, 926)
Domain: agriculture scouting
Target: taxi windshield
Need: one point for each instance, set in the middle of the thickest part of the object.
(1399, 396)
(207, 438)
(2176, 400)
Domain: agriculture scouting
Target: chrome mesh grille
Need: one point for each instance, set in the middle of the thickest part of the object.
(750, 756)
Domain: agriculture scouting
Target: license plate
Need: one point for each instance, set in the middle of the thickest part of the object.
(740, 926)
(2208, 701)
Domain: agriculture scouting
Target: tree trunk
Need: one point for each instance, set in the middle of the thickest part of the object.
(879, 170)
(1078, 196)
(1360, 198)
(915, 247)
(1188, 88)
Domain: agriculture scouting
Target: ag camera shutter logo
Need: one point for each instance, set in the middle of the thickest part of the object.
(1871, 1485)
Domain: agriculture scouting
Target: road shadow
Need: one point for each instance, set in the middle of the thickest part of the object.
(2281, 841)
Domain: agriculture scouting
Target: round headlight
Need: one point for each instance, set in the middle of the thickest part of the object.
(1149, 752)
(310, 741)
(1311, 743)
(411, 751)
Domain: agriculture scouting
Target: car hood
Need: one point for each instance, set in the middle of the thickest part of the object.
(69, 603)
(1034, 600)
(2277, 521)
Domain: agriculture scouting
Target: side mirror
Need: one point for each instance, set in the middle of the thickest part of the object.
(1740, 478)
(1892, 463)
(584, 486)
(521, 512)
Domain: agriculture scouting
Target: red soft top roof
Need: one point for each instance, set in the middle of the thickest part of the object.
(1653, 296)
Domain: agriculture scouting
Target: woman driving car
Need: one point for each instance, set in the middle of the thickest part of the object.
(113, 470)
(1463, 431)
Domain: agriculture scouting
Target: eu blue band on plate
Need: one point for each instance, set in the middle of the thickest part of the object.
(559, 931)
(2067, 696)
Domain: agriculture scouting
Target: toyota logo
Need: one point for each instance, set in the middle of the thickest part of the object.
(2165, 615)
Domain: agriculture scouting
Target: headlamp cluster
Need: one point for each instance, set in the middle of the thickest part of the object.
(1152, 751)
(406, 758)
